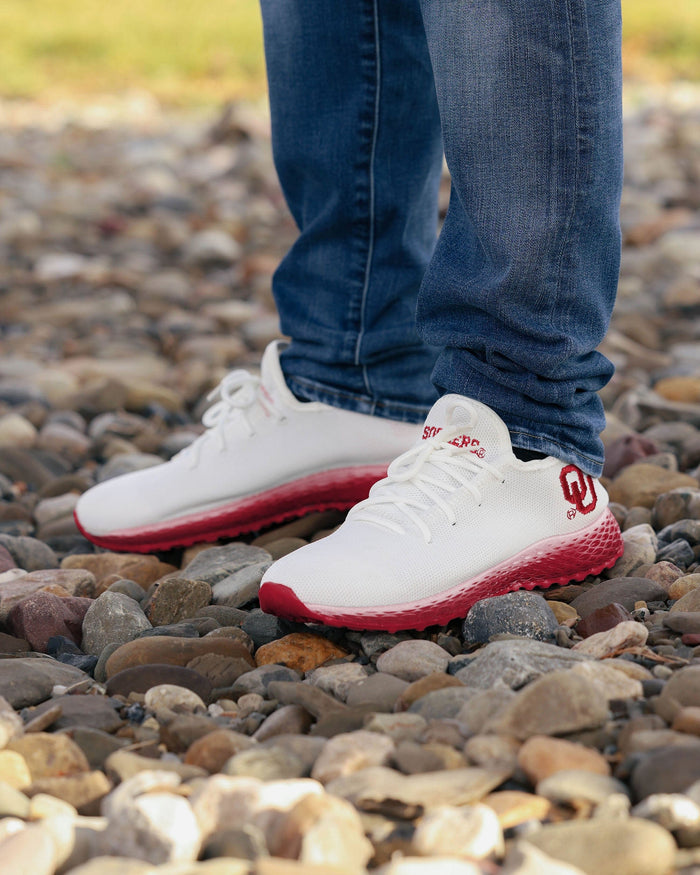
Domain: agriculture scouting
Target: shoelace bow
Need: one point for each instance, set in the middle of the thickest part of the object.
(236, 395)
(418, 468)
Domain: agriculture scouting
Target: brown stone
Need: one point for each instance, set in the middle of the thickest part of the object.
(74, 581)
(301, 651)
(219, 670)
(175, 599)
(83, 791)
(171, 651)
(514, 807)
(50, 755)
(14, 770)
(641, 484)
(141, 678)
(213, 750)
(687, 720)
(684, 585)
(564, 613)
(542, 756)
(436, 681)
(602, 619)
(144, 570)
(12, 644)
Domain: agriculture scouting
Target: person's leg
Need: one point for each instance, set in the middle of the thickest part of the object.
(521, 287)
(519, 292)
(357, 147)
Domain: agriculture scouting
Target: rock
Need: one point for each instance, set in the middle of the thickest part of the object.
(94, 712)
(610, 679)
(640, 543)
(13, 770)
(321, 830)
(525, 859)
(27, 681)
(443, 704)
(143, 570)
(11, 724)
(683, 586)
(301, 651)
(472, 831)
(639, 485)
(212, 751)
(289, 719)
(428, 684)
(241, 587)
(29, 850)
(166, 698)
(632, 847)
(141, 678)
(158, 827)
(175, 599)
(381, 789)
(411, 660)
(29, 553)
(556, 704)
(50, 755)
(212, 245)
(259, 679)
(112, 618)
(520, 613)
(623, 636)
(83, 791)
(16, 431)
(122, 765)
(602, 619)
(672, 811)
(399, 727)
(351, 752)
(666, 770)
(542, 756)
(682, 690)
(267, 764)
(515, 663)
(580, 789)
(43, 615)
(513, 807)
(216, 563)
(171, 651)
(337, 680)
(380, 691)
(688, 603)
(625, 591)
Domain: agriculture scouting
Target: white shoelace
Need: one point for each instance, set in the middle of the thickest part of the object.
(236, 396)
(420, 468)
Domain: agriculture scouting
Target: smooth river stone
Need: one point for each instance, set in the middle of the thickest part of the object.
(301, 651)
(173, 651)
(28, 681)
(141, 678)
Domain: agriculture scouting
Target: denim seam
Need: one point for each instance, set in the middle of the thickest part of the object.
(567, 230)
(371, 216)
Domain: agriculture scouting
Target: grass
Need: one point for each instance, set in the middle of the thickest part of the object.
(190, 52)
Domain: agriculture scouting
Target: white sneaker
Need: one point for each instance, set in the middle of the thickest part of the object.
(266, 457)
(459, 518)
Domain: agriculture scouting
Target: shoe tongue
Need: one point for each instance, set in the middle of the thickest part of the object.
(479, 430)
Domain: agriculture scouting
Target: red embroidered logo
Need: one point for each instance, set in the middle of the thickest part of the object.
(579, 489)
(462, 441)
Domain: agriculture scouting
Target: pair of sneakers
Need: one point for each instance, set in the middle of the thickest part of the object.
(456, 518)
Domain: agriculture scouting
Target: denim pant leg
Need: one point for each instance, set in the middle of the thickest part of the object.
(358, 151)
(522, 283)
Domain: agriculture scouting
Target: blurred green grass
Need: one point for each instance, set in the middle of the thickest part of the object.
(188, 52)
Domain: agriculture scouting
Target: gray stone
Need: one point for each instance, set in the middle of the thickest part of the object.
(443, 704)
(625, 591)
(631, 847)
(666, 770)
(414, 659)
(258, 679)
(640, 549)
(520, 613)
(217, 563)
(29, 680)
(379, 690)
(112, 618)
(29, 553)
(241, 587)
(515, 662)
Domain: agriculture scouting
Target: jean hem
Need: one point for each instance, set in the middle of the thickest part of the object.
(563, 452)
(309, 390)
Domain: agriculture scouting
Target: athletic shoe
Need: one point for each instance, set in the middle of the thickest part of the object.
(458, 519)
(265, 457)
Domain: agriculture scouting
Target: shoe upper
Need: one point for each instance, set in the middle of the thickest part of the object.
(453, 506)
(258, 436)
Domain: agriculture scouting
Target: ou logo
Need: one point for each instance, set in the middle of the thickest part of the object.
(578, 489)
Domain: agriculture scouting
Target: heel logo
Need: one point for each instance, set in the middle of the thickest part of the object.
(578, 489)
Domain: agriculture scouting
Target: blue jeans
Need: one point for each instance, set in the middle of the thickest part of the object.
(509, 305)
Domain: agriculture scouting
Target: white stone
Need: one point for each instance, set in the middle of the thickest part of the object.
(16, 431)
(472, 831)
(170, 697)
(11, 724)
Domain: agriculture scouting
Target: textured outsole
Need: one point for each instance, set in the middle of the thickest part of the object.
(337, 489)
(557, 560)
